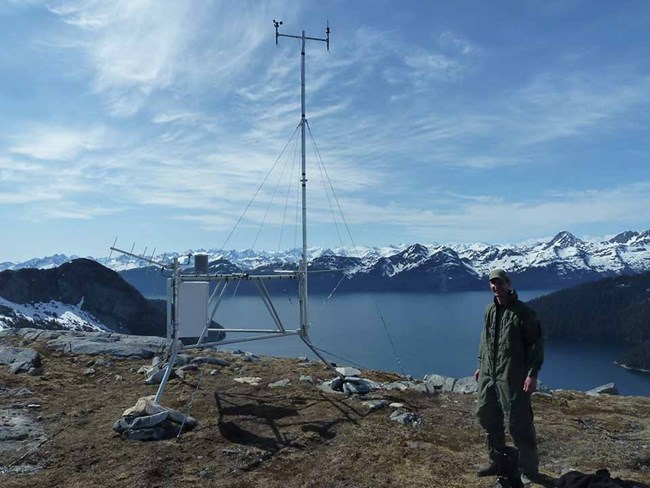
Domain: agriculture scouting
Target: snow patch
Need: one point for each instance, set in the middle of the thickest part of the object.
(62, 314)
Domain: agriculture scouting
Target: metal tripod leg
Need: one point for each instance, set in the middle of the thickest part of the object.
(168, 371)
(306, 340)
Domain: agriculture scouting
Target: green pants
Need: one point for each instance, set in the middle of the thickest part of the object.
(497, 402)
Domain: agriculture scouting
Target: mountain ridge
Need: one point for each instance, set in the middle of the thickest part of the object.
(81, 295)
(561, 261)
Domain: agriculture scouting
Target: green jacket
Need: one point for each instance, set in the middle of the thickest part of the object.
(513, 348)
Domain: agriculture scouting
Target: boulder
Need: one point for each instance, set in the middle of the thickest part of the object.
(154, 376)
(336, 384)
(467, 384)
(326, 386)
(144, 406)
(182, 359)
(425, 388)
(20, 360)
(348, 371)
(399, 385)
(149, 421)
(442, 383)
(359, 386)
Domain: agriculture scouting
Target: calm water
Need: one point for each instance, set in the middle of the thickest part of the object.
(431, 333)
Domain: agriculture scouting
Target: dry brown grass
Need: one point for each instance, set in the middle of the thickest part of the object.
(298, 436)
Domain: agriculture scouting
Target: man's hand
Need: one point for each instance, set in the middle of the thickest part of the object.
(477, 373)
(530, 385)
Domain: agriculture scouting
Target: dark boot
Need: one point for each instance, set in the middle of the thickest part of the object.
(492, 470)
(511, 471)
(497, 466)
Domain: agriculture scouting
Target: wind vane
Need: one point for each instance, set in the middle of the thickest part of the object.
(278, 23)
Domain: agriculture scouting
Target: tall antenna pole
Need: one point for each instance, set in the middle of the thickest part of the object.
(304, 317)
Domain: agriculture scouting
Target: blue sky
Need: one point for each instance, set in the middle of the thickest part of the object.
(156, 121)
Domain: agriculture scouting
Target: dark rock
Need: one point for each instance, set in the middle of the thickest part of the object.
(336, 384)
(187, 367)
(182, 359)
(123, 424)
(149, 421)
(210, 360)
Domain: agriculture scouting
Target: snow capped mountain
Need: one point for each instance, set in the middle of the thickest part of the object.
(560, 261)
(624, 237)
(46, 262)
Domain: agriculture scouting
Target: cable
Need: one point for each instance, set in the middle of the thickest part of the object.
(354, 363)
(223, 246)
(381, 316)
(189, 407)
(286, 202)
(268, 207)
(339, 357)
(327, 195)
(347, 227)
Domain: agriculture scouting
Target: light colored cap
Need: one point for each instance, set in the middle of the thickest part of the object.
(500, 274)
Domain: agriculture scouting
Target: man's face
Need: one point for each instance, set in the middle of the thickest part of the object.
(500, 289)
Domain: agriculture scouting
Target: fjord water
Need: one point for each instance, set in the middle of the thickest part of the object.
(431, 333)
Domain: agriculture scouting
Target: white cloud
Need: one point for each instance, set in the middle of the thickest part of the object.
(57, 143)
(73, 211)
(559, 105)
(139, 49)
(487, 218)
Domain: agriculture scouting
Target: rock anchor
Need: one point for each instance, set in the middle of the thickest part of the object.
(150, 421)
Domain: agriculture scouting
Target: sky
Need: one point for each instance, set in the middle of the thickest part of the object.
(172, 125)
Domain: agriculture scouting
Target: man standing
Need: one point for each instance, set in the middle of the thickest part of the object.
(510, 357)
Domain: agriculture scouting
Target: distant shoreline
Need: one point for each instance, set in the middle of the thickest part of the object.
(625, 366)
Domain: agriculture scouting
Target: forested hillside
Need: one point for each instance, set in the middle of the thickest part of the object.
(613, 308)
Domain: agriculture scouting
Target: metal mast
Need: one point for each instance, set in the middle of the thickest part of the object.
(304, 317)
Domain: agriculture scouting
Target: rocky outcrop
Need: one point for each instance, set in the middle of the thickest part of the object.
(21, 360)
(447, 384)
(94, 343)
(608, 389)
